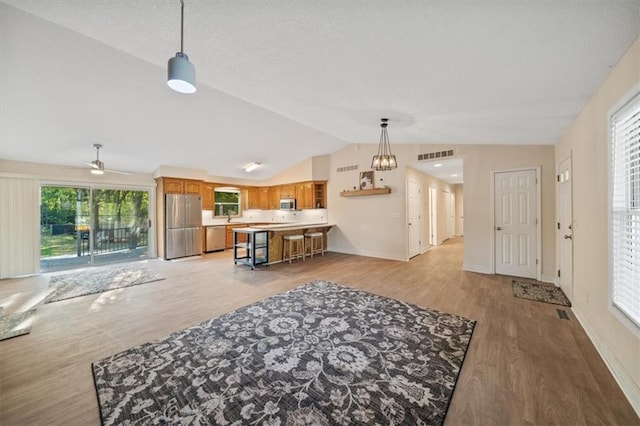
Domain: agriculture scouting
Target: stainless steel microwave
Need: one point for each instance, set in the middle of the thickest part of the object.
(287, 204)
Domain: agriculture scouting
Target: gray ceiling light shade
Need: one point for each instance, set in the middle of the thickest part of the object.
(384, 160)
(181, 75)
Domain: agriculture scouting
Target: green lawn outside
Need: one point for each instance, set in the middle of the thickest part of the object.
(57, 245)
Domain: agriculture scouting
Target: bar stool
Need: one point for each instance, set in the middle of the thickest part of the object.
(295, 246)
(316, 242)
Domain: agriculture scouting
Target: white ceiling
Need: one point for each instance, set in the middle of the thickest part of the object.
(279, 81)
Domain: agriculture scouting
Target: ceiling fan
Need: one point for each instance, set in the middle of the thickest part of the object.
(97, 166)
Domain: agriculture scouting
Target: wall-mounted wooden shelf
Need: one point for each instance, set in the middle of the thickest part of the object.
(361, 192)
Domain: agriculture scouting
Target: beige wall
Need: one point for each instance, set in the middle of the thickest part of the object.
(376, 225)
(587, 141)
(480, 161)
(427, 182)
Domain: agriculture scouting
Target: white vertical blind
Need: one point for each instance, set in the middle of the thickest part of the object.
(19, 227)
(625, 209)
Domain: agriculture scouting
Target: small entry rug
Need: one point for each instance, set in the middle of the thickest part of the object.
(98, 279)
(320, 354)
(547, 293)
(16, 324)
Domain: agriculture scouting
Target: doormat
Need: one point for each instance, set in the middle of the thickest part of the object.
(547, 293)
(16, 324)
(98, 280)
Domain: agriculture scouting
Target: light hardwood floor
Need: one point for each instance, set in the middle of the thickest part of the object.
(525, 366)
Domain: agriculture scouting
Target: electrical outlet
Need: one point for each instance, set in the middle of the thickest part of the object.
(586, 297)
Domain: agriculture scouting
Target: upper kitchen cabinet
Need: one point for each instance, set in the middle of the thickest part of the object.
(319, 195)
(287, 191)
(173, 185)
(253, 198)
(275, 193)
(192, 187)
(304, 195)
(181, 186)
(207, 195)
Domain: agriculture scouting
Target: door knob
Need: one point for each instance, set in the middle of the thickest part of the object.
(568, 237)
(498, 228)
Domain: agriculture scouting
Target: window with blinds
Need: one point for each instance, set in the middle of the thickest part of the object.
(625, 209)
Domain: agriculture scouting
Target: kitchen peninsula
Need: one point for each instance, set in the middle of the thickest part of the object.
(275, 234)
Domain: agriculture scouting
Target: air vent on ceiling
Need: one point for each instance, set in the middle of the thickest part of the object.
(347, 168)
(435, 154)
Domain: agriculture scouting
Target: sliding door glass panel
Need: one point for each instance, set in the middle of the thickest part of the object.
(64, 227)
(120, 219)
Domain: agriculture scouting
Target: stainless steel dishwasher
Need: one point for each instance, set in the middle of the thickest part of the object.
(216, 238)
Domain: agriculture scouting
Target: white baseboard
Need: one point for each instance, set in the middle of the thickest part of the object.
(380, 255)
(549, 279)
(630, 388)
(483, 269)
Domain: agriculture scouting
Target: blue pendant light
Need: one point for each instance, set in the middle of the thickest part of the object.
(181, 75)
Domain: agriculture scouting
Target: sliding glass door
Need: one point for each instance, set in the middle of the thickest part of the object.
(84, 225)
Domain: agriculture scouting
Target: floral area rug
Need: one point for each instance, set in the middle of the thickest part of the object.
(97, 280)
(319, 354)
(547, 293)
(16, 324)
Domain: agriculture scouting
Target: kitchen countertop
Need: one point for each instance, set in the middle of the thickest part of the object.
(290, 226)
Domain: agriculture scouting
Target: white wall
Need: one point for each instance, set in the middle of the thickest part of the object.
(20, 212)
(427, 182)
(480, 161)
(586, 140)
(376, 225)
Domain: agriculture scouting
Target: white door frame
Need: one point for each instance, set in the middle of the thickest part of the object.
(433, 216)
(538, 219)
(559, 231)
(413, 226)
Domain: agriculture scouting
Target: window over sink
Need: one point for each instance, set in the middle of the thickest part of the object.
(226, 202)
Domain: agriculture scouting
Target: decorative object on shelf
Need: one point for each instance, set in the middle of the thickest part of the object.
(181, 75)
(366, 180)
(377, 191)
(384, 160)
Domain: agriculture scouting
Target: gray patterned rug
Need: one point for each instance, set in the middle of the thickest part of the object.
(16, 324)
(98, 279)
(547, 293)
(319, 354)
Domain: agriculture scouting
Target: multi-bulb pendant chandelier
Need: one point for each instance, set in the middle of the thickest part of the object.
(181, 72)
(385, 160)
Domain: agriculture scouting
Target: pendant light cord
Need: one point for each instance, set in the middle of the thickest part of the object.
(181, 25)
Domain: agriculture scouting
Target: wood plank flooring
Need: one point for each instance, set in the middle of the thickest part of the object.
(525, 366)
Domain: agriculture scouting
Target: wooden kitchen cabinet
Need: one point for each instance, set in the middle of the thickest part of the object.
(207, 196)
(173, 185)
(304, 195)
(287, 191)
(319, 195)
(253, 198)
(192, 187)
(263, 198)
(274, 197)
(181, 186)
(229, 238)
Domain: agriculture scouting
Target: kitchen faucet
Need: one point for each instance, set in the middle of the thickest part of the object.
(228, 217)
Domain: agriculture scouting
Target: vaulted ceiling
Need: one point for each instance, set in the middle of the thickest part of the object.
(280, 81)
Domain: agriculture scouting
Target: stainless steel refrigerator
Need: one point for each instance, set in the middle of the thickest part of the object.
(184, 225)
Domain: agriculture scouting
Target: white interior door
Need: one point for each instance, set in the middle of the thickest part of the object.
(565, 227)
(452, 215)
(433, 217)
(413, 208)
(515, 207)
